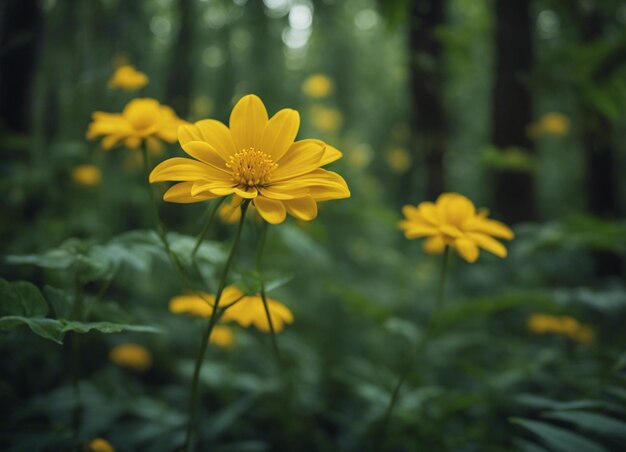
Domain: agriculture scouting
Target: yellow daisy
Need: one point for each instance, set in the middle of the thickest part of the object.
(128, 78)
(99, 445)
(453, 221)
(317, 85)
(88, 175)
(222, 336)
(256, 158)
(141, 120)
(246, 310)
(133, 356)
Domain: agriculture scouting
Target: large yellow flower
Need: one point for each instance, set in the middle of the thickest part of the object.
(246, 310)
(141, 120)
(257, 158)
(128, 78)
(453, 221)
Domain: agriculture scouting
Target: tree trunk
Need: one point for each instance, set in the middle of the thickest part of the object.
(512, 107)
(180, 80)
(601, 181)
(426, 85)
(20, 28)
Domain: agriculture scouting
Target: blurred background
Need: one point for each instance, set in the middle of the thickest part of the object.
(518, 105)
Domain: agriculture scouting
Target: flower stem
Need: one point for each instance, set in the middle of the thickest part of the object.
(259, 259)
(207, 332)
(380, 439)
(160, 228)
(207, 225)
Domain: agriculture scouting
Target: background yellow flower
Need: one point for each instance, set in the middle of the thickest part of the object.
(453, 221)
(99, 445)
(128, 78)
(132, 356)
(88, 175)
(317, 85)
(142, 120)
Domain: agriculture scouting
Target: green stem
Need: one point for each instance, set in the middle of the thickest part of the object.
(259, 259)
(430, 326)
(207, 333)
(207, 226)
(160, 228)
(77, 314)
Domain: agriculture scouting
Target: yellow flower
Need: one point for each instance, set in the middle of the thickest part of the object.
(141, 120)
(128, 78)
(555, 124)
(222, 336)
(99, 445)
(256, 159)
(325, 119)
(192, 304)
(360, 156)
(89, 175)
(133, 356)
(549, 124)
(453, 221)
(246, 310)
(564, 325)
(399, 160)
(317, 85)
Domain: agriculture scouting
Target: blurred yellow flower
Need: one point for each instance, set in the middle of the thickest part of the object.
(256, 159)
(128, 78)
(141, 120)
(399, 160)
(88, 175)
(453, 221)
(133, 356)
(360, 156)
(222, 336)
(192, 304)
(325, 119)
(246, 310)
(99, 445)
(550, 124)
(317, 85)
(202, 106)
(565, 325)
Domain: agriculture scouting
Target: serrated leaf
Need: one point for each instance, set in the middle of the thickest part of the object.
(590, 421)
(21, 298)
(558, 438)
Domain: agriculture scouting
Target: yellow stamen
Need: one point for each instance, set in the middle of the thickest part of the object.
(251, 168)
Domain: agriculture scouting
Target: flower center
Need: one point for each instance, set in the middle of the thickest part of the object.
(251, 168)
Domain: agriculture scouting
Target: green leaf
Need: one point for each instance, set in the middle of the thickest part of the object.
(55, 329)
(60, 301)
(590, 421)
(558, 438)
(21, 298)
(46, 328)
(538, 402)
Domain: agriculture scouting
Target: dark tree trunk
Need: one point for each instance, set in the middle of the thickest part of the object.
(512, 107)
(601, 181)
(20, 27)
(426, 85)
(180, 80)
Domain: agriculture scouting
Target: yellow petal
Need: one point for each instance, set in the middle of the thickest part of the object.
(467, 249)
(428, 212)
(280, 133)
(492, 227)
(321, 184)
(434, 245)
(275, 192)
(182, 169)
(302, 208)
(302, 157)
(181, 193)
(451, 231)
(217, 135)
(330, 155)
(486, 242)
(272, 211)
(247, 122)
(187, 133)
(417, 231)
(206, 153)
